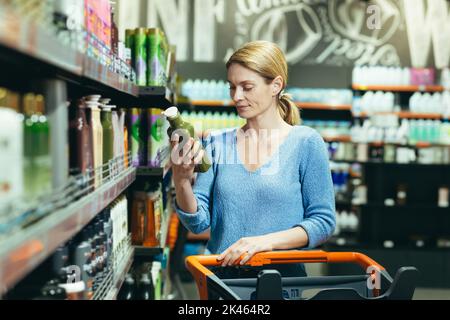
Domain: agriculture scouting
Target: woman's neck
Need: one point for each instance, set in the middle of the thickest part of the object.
(269, 120)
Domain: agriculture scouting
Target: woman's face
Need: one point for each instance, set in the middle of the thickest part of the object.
(250, 92)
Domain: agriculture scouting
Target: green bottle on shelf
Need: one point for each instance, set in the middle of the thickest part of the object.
(108, 138)
(176, 122)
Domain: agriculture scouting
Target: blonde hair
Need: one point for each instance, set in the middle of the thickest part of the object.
(268, 60)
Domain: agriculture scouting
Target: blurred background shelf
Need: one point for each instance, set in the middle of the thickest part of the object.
(160, 96)
(412, 88)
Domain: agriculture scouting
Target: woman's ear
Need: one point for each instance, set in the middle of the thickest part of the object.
(277, 86)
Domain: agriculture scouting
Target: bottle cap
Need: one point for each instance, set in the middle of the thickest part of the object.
(93, 97)
(170, 113)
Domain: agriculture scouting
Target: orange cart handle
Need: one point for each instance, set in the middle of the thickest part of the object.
(197, 264)
(284, 257)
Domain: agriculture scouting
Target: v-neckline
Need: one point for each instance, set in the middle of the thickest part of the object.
(269, 160)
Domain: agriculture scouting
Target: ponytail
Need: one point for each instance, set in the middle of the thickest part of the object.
(288, 109)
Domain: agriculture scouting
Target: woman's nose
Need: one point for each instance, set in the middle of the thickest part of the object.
(238, 95)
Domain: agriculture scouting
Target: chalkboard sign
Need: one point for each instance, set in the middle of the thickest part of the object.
(335, 33)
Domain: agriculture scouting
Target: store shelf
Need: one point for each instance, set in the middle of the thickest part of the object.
(393, 164)
(403, 115)
(25, 250)
(411, 88)
(119, 276)
(94, 70)
(27, 38)
(407, 207)
(156, 96)
(153, 172)
(337, 138)
(22, 39)
(323, 106)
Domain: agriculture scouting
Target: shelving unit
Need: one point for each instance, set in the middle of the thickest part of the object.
(404, 115)
(25, 250)
(28, 49)
(412, 88)
(156, 96)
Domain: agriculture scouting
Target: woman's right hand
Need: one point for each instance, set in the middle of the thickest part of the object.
(184, 157)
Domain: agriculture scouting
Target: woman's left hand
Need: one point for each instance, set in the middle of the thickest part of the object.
(245, 248)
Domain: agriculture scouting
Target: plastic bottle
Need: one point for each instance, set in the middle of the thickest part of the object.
(11, 150)
(146, 288)
(108, 139)
(177, 123)
(127, 292)
(97, 137)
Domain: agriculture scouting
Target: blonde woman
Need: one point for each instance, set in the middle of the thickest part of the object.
(269, 187)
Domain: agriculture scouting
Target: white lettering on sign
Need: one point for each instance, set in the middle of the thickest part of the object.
(207, 13)
(272, 26)
(174, 21)
(426, 27)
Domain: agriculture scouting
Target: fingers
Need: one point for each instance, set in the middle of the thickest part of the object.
(188, 153)
(250, 253)
(230, 256)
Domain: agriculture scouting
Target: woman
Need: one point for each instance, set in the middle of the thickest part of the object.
(281, 200)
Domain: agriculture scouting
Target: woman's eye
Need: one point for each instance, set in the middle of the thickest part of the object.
(248, 88)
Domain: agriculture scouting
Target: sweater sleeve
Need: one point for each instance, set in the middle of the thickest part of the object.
(317, 193)
(200, 220)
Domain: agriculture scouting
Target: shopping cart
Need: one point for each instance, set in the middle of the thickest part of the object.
(375, 283)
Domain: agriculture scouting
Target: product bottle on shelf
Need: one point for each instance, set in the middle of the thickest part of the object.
(11, 148)
(92, 102)
(43, 159)
(81, 157)
(108, 140)
(146, 288)
(177, 123)
(127, 292)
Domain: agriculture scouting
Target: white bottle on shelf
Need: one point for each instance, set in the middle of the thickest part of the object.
(337, 229)
(406, 77)
(414, 102)
(425, 103)
(11, 156)
(345, 220)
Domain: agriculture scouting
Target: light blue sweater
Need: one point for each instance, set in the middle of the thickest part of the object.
(293, 188)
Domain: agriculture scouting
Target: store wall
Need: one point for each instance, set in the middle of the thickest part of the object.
(312, 32)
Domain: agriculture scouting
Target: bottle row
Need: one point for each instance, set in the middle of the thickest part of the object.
(346, 222)
(379, 101)
(203, 121)
(325, 96)
(97, 138)
(152, 57)
(388, 153)
(329, 128)
(197, 89)
(79, 268)
(385, 128)
(368, 75)
(147, 284)
(86, 26)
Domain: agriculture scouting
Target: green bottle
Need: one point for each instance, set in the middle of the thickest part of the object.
(176, 123)
(108, 138)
